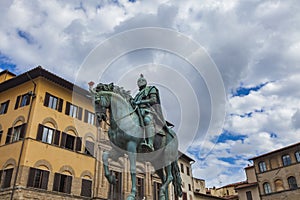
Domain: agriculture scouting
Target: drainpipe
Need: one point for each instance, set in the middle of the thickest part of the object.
(32, 94)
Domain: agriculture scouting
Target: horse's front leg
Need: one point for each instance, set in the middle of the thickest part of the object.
(110, 177)
(163, 193)
(131, 148)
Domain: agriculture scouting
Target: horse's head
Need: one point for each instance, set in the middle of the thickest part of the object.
(102, 100)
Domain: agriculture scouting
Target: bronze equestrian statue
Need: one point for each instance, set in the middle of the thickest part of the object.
(137, 128)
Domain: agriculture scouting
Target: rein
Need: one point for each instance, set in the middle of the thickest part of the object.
(127, 114)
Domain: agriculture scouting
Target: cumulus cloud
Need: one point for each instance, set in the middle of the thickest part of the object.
(251, 42)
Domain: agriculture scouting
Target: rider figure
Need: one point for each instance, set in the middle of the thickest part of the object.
(148, 102)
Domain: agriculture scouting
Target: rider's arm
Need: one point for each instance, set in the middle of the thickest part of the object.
(151, 100)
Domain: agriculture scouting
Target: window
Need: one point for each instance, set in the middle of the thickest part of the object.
(297, 155)
(267, 188)
(48, 135)
(292, 183)
(53, 102)
(286, 159)
(73, 111)
(23, 100)
(38, 178)
(140, 188)
(71, 142)
(262, 166)
(62, 183)
(190, 187)
(15, 133)
(115, 191)
(187, 170)
(156, 187)
(249, 195)
(89, 148)
(86, 188)
(5, 177)
(4, 107)
(184, 196)
(89, 117)
(181, 168)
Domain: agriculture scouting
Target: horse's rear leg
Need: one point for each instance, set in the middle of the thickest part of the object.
(163, 193)
(110, 177)
(131, 147)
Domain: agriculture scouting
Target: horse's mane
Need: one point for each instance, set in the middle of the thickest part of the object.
(122, 92)
(114, 88)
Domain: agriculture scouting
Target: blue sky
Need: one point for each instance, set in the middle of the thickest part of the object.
(254, 44)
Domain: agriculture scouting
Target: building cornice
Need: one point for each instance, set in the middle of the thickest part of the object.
(41, 72)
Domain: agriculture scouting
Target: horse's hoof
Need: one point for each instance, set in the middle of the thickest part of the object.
(131, 197)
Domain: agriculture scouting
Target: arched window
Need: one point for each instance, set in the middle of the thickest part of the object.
(267, 188)
(16, 133)
(297, 155)
(286, 160)
(278, 185)
(262, 166)
(292, 183)
(38, 177)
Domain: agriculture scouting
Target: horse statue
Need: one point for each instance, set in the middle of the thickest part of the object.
(126, 135)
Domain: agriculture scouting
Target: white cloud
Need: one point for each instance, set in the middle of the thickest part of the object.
(252, 42)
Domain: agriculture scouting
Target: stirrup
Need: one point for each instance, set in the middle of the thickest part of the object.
(146, 147)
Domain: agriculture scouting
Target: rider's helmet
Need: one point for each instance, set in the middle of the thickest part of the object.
(141, 82)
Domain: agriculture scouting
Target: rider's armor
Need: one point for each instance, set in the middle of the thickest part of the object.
(150, 112)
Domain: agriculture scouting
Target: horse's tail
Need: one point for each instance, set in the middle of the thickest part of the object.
(176, 179)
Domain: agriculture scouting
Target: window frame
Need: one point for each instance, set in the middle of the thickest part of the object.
(71, 142)
(86, 187)
(55, 136)
(115, 190)
(181, 168)
(6, 177)
(4, 107)
(292, 185)
(38, 178)
(13, 136)
(62, 183)
(188, 170)
(297, 156)
(267, 188)
(73, 110)
(156, 188)
(89, 117)
(140, 187)
(23, 100)
(49, 102)
(262, 166)
(286, 160)
(249, 195)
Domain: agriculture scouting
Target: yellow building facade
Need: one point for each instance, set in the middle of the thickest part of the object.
(51, 146)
